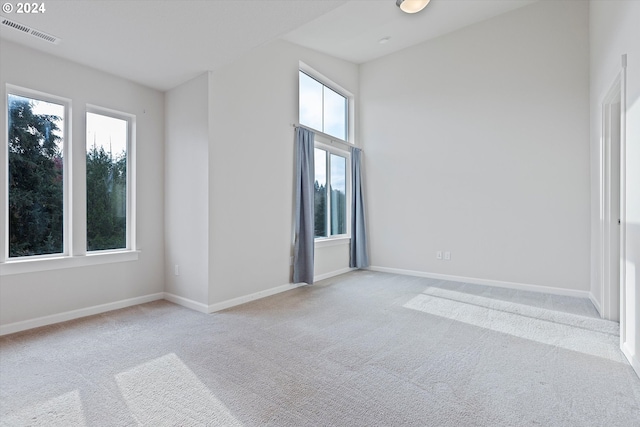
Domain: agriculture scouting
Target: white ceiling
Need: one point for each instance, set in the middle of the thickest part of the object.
(353, 31)
(165, 43)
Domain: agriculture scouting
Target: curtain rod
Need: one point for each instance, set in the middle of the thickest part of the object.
(326, 135)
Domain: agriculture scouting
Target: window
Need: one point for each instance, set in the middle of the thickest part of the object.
(36, 172)
(330, 195)
(322, 108)
(326, 110)
(107, 145)
(38, 200)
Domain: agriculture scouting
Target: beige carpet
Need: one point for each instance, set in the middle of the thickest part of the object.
(363, 349)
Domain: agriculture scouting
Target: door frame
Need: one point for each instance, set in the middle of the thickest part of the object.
(609, 213)
(615, 94)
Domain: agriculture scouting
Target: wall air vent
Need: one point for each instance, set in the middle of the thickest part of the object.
(31, 31)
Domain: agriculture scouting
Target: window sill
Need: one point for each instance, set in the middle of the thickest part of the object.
(23, 266)
(332, 241)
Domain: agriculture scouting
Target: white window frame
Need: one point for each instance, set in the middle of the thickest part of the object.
(67, 232)
(350, 118)
(331, 147)
(74, 198)
(336, 146)
(131, 172)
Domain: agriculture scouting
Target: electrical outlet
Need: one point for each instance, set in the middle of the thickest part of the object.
(177, 270)
(447, 255)
(439, 255)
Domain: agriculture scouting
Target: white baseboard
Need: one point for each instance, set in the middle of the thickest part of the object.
(252, 297)
(486, 282)
(595, 303)
(212, 308)
(332, 274)
(633, 358)
(186, 302)
(11, 328)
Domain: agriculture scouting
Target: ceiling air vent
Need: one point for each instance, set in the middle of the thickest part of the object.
(31, 31)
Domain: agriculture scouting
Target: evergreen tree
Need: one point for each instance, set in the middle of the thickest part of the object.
(338, 212)
(35, 181)
(320, 209)
(106, 200)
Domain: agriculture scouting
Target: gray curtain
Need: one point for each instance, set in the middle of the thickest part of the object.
(304, 218)
(359, 254)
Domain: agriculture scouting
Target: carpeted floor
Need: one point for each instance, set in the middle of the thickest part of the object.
(362, 349)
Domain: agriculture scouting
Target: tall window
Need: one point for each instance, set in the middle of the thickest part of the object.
(330, 195)
(107, 146)
(36, 176)
(322, 108)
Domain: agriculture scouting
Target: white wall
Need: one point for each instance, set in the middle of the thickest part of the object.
(477, 143)
(29, 296)
(614, 31)
(332, 259)
(187, 190)
(254, 103)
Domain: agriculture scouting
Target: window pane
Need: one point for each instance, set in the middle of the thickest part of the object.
(106, 182)
(320, 194)
(335, 114)
(36, 196)
(310, 102)
(338, 167)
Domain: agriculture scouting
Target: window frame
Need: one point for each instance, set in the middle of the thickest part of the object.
(75, 253)
(67, 162)
(131, 170)
(323, 143)
(350, 107)
(333, 145)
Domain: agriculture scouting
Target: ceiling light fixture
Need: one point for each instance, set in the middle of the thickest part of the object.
(412, 6)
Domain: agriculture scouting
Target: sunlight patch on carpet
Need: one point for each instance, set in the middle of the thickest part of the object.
(164, 391)
(64, 410)
(595, 337)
